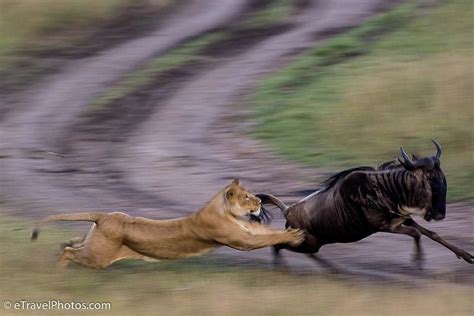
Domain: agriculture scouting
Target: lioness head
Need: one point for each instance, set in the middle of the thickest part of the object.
(242, 202)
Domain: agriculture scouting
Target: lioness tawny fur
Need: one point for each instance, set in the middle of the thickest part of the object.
(221, 222)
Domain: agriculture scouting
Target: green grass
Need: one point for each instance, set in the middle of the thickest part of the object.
(202, 285)
(401, 78)
(268, 16)
(190, 53)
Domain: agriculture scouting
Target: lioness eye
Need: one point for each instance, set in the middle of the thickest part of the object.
(247, 197)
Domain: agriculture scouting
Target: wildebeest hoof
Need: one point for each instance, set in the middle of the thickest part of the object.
(280, 266)
(466, 256)
(419, 258)
(419, 264)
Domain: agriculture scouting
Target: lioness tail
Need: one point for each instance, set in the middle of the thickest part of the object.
(87, 217)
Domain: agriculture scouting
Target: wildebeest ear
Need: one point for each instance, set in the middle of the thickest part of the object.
(415, 157)
(236, 182)
(406, 165)
(426, 163)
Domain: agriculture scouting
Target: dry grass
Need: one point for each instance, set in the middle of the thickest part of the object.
(203, 286)
(411, 102)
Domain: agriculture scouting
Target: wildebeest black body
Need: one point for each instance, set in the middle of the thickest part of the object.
(359, 202)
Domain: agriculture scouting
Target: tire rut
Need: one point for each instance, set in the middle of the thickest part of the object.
(48, 108)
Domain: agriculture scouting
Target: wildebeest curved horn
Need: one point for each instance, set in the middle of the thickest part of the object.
(407, 163)
(438, 148)
(404, 154)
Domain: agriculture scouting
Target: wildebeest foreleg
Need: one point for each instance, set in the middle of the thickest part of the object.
(277, 260)
(397, 228)
(434, 236)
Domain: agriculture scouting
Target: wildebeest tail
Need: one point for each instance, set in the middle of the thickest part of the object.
(87, 217)
(270, 199)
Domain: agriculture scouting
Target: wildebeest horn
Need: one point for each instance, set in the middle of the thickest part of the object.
(406, 162)
(404, 154)
(438, 148)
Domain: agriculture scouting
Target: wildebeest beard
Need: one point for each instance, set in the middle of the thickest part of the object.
(438, 199)
(264, 217)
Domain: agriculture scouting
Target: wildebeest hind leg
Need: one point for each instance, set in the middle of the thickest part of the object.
(279, 263)
(325, 263)
(277, 257)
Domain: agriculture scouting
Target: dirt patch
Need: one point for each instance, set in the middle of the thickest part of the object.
(54, 104)
(94, 131)
(120, 116)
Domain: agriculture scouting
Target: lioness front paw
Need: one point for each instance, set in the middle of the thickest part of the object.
(295, 236)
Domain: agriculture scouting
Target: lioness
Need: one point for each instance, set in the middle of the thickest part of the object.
(222, 221)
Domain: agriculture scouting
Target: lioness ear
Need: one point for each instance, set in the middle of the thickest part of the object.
(229, 194)
(236, 182)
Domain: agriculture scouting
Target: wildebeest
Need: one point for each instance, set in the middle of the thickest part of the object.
(359, 202)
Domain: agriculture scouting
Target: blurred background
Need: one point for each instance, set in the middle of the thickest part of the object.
(152, 106)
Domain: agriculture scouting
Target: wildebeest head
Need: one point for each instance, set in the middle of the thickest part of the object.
(429, 169)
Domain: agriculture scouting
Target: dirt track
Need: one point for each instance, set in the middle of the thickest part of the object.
(189, 144)
(49, 108)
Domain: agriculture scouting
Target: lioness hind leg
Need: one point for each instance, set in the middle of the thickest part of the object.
(127, 253)
(79, 256)
(76, 242)
(66, 256)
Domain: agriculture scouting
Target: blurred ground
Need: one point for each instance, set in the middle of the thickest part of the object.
(211, 285)
(167, 146)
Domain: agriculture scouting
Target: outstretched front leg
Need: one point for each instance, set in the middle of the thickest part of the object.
(255, 237)
(434, 236)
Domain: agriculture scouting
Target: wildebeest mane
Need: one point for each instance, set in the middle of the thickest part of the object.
(389, 165)
(335, 178)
